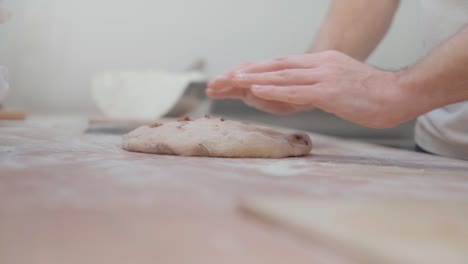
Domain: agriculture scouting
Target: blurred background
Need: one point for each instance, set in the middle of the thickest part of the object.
(53, 48)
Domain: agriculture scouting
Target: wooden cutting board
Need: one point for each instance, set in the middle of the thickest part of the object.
(376, 231)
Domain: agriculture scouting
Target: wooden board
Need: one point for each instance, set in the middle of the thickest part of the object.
(71, 197)
(380, 231)
(12, 115)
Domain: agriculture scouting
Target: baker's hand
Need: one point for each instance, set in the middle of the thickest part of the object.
(271, 106)
(329, 80)
(220, 89)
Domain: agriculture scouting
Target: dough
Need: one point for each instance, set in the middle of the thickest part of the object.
(216, 137)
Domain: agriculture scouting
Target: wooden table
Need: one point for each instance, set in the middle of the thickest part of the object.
(69, 197)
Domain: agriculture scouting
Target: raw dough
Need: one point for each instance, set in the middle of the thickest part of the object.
(215, 137)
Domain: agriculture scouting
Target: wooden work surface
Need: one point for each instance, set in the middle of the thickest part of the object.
(69, 197)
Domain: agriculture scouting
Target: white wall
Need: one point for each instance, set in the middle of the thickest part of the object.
(53, 47)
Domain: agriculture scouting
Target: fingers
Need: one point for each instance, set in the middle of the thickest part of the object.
(223, 80)
(303, 61)
(226, 93)
(279, 64)
(273, 107)
(277, 78)
(291, 77)
(251, 100)
(231, 72)
(300, 95)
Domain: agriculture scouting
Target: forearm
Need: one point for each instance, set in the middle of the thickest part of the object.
(441, 78)
(355, 27)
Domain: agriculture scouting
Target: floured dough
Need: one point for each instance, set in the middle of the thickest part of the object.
(215, 137)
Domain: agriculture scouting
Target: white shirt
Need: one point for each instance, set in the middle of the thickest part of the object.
(444, 131)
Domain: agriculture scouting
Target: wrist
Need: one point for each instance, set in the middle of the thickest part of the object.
(419, 96)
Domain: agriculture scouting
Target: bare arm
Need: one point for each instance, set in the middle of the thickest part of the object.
(353, 90)
(358, 92)
(355, 27)
(441, 78)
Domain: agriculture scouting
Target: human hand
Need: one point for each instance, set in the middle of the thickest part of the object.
(329, 80)
(270, 106)
(219, 89)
